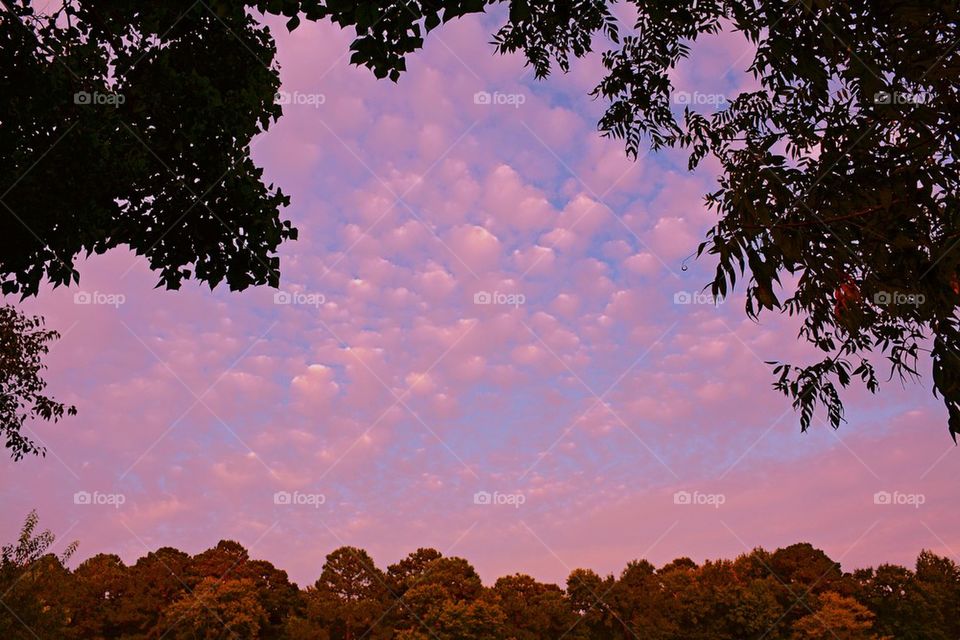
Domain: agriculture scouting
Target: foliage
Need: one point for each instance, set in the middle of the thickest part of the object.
(837, 196)
(217, 608)
(795, 593)
(32, 584)
(23, 345)
(130, 124)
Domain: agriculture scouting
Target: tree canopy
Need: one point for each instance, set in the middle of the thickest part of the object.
(23, 345)
(223, 593)
(837, 197)
(836, 200)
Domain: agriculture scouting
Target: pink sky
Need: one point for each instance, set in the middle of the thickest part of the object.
(384, 388)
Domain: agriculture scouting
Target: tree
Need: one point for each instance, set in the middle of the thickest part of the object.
(403, 574)
(154, 582)
(937, 579)
(534, 610)
(899, 603)
(217, 609)
(132, 126)
(838, 175)
(639, 603)
(99, 595)
(23, 345)
(837, 617)
(33, 585)
(587, 593)
(351, 594)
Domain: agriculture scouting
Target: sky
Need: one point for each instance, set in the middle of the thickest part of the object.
(484, 342)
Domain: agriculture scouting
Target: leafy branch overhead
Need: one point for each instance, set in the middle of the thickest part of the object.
(837, 199)
(23, 345)
(130, 124)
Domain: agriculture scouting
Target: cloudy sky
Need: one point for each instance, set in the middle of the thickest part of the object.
(381, 395)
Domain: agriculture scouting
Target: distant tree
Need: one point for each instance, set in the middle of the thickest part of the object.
(224, 560)
(937, 580)
(404, 573)
(899, 604)
(23, 345)
(588, 595)
(836, 617)
(534, 610)
(802, 572)
(33, 585)
(351, 595)
(99, 595)
(154, 582)
(216, 609)
(639, 603)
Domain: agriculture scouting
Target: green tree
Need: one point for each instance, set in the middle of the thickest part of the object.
(403, 574)
(937, 580)
(23, 344)
(216, 609)
(99, 593)
(153, 583)
(588, 595)
(351, 595)
(34, 585)
(837, 617)
(132, 127)
(534, 610)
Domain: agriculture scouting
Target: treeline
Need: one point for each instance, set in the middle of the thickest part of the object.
(793, 593)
